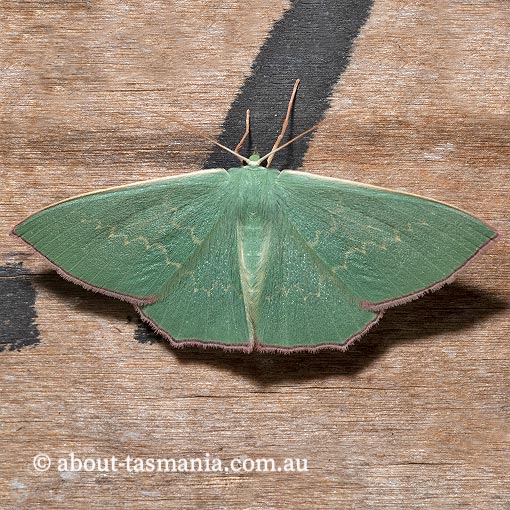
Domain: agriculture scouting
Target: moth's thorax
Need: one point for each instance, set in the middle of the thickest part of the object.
(253, 188)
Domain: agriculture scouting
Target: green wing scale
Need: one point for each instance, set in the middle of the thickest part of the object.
(256, 259)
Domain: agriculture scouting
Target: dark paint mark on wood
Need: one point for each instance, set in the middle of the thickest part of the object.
(14, 269)
(145, 335)
(18, 328)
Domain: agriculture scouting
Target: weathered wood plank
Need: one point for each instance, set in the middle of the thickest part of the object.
(414, 416)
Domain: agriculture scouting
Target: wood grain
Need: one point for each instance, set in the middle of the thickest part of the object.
(414, 416)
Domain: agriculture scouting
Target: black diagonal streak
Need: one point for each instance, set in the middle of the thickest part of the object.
(312, 42)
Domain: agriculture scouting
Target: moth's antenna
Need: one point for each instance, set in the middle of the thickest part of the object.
(199, 133)
(263, 158)
(285, 123)
(246, 132)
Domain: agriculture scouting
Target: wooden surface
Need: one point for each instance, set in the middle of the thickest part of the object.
(415, 416)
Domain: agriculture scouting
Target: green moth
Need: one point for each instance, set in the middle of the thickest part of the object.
(253, 258)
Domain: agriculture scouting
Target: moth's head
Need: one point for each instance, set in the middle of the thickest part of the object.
(254, 159)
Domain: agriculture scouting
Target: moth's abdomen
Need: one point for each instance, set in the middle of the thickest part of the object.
(253, 238)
